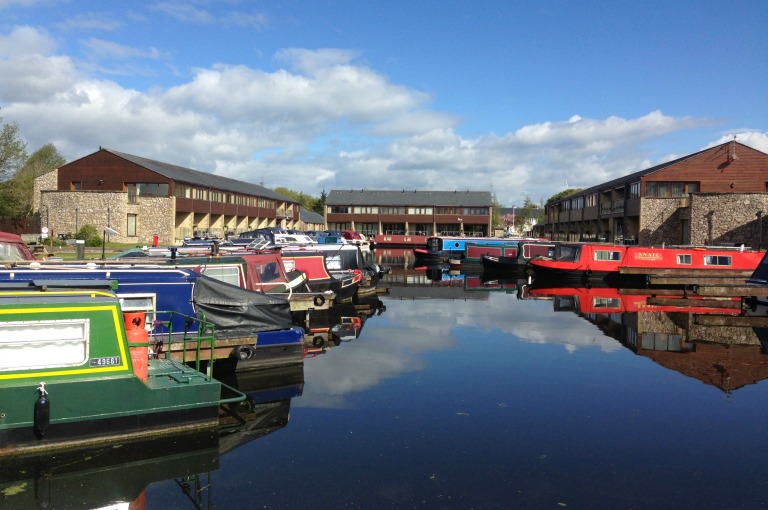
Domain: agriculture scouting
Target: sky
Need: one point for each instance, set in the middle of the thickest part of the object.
(523, 99)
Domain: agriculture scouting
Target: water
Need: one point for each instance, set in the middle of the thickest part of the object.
(460, 398)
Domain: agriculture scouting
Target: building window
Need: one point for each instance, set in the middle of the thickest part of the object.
(670, 189)
(152, 189)
(448, 210)
(182, 191)
(368, 229)
(393, 210)
(634, 190)
(338, 209)
(131, 228)
(76, 186)
(592, 200)
(475, 211)
(420, 210)
(365, 209)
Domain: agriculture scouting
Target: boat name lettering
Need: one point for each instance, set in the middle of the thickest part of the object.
(648, 255)
(105, 362)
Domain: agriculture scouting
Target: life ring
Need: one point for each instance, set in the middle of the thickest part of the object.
(319, 300)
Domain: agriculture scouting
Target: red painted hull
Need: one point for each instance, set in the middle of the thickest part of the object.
(609, 300)
(598, 261)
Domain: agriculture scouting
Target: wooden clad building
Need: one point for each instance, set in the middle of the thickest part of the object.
(714, 196)
(144, 199)
(409, 216)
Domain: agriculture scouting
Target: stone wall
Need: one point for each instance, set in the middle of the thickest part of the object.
(728, 218)
(65, 212)
(48, 181)
(661, 221)
(715, 219)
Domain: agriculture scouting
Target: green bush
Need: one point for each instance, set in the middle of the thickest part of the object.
(90, 235)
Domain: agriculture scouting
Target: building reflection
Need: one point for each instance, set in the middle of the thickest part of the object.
(712, 340)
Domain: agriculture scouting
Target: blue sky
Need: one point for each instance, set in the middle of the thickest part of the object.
(520, 98)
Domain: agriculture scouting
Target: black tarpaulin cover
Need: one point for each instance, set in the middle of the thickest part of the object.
(239, 312)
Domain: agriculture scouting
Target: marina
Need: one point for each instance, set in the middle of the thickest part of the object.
(453, 389)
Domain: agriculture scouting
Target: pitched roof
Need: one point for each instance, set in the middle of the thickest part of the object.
(637, 175)
(409, 197)
(308, 216)
(198, 178)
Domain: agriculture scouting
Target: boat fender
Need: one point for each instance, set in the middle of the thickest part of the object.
(243, 352)
(42, 411)
(319, 300)
(318, 341)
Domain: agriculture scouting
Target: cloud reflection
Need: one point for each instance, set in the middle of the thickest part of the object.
(396, 342)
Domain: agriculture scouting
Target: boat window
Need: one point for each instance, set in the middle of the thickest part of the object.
(684, 258)
(717, 260)
(226, 274)
(607, 255)
(268, 272)
(600, 302)
(333, 263)
(43, 344)
(566, 303)
(11, 252)
(568, 253)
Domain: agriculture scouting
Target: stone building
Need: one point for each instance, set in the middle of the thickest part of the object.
(715, 196)
(146, 201)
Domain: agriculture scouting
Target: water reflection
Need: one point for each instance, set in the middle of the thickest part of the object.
(692, 335)
(459, 389)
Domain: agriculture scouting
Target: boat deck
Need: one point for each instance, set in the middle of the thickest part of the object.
(169, 372)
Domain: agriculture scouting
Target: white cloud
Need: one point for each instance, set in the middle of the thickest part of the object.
(324, 121)
(26, 41)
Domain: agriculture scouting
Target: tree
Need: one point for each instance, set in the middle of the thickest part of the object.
(12, 156)
(319, 205)
(17, 193)
(306, 201)
(562, 194)
(12, 151)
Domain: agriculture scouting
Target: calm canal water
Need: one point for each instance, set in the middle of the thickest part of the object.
(458, 396)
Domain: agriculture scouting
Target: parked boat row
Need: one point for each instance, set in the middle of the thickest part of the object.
(95, 350)
(595, 262)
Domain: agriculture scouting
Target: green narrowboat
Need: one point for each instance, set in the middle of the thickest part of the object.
(75, 370)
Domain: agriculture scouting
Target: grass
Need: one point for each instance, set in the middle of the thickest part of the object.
(69, 252)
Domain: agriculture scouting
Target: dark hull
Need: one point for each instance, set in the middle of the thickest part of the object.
(424, 255)
(60, 436)
(502, 263)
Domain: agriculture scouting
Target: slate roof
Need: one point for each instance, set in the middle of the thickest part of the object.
(308, 216)
(198, 178)
(409, 197)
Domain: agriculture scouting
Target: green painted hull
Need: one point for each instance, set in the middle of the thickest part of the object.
(77, 344)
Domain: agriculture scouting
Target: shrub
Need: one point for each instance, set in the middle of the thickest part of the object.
(90, 235)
